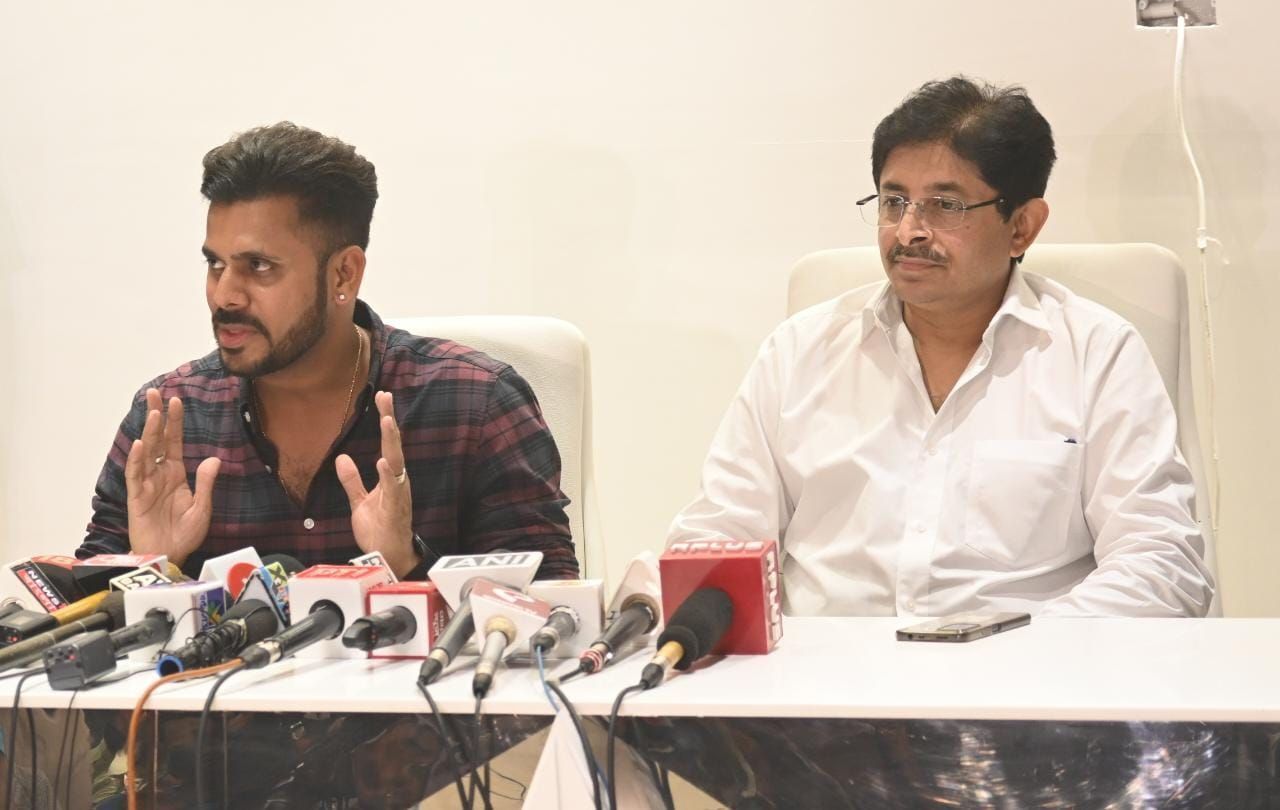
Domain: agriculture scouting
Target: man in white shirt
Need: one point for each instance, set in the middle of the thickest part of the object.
(966, 436)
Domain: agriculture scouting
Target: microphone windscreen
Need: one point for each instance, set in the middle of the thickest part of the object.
(259, 619)
(113, 606)
(699, 624)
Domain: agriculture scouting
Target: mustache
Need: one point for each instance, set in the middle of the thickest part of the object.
(226, 317)
(909, 252)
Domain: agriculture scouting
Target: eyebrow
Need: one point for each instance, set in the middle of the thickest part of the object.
(932, 187)
(244, 255)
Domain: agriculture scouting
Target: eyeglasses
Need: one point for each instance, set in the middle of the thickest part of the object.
(934, 213)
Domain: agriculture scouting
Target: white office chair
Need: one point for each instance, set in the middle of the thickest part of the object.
(1142, 283)
(552, 356)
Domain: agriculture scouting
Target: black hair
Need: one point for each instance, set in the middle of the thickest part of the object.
(997, 129)
(335, 187)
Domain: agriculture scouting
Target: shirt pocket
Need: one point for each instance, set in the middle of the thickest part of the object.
(1021, 496)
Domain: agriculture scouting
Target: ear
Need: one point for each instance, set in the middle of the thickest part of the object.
(1027, 222)
(346, 271)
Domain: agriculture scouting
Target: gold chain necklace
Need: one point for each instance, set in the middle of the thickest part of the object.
(351, 390)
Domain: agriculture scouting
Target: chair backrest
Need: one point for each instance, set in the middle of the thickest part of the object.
(1142, 283)
(552, 356)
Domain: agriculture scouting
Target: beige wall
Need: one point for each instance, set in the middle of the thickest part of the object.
(648, 172)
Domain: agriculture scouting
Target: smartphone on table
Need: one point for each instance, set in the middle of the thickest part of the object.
(963, 626)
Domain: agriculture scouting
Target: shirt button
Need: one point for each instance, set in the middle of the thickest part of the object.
(933, 451)
(911, 604)
(919, 527)
(268, 466)
(308, 524)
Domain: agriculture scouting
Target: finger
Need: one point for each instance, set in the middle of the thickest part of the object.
(152, 436)
(206, 475)
(135, 467)
(173, 430)
(153, 399)
(392, 448)
(391, 487)
(349, 477)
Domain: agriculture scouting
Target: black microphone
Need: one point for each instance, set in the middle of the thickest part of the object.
(639, 615)
(324, 622)
(108, 616)
(694, 630)
(86, 658)
(561, 624)
(461, 626)
(395, 625)
(246, 623)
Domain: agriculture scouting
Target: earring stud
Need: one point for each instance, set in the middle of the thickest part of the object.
(342, 296)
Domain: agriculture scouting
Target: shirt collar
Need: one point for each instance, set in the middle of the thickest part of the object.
(1021, 302)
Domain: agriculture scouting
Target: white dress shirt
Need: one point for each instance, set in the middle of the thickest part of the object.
(1049, 481)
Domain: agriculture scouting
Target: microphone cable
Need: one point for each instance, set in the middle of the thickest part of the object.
(593, 765)
(67, 744)
(131, 743)
(12, 738)
(236, 664)
(612, 737)
(448, 740)
(475, 772)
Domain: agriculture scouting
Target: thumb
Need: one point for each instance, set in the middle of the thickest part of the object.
(349, 477)
(206, 474)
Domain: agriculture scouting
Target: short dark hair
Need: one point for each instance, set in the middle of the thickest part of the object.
(997, 129)
(335, 187)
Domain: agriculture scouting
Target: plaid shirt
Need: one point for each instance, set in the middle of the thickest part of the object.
(485, 470)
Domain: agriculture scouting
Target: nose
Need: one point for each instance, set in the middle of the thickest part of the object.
(911, 229)
(225, 290)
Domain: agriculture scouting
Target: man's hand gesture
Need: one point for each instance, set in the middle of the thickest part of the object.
(382, 519)
(165, 516)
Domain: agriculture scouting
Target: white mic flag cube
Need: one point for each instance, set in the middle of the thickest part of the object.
(345, 586)
(195, 607)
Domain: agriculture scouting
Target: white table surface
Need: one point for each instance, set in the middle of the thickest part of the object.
(1210, 670)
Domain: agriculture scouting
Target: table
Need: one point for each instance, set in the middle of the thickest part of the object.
(1081, 711)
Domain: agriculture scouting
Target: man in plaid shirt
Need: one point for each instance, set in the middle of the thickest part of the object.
(315, 430)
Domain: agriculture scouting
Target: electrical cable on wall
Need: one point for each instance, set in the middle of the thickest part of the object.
(1203, 240)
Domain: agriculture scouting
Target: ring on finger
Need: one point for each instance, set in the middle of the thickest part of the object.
(159, 459)
(402, 476)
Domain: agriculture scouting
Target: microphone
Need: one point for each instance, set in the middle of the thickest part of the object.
(394, 625)
(561, 623)
(747, 571)
(247, 622)
(405, 619)
(638, 617)
(695, 629)
(26, 624)
(508, 618)
(323, 622)
(634, 612)
(577, 615)
(88, 657)
(109, 616)
(452, 575)
(342, 587)
(455, 634)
